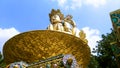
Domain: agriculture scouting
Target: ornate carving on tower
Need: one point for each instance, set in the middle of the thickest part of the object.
(115, 18)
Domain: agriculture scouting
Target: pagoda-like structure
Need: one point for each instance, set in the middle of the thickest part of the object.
(115, 18)
(61, 45)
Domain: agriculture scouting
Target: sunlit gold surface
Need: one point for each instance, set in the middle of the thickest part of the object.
(41, 44)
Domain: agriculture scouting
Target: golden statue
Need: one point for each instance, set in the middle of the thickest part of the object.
(36, 45)
(69, 24)
(83, 36)
(56, 20)
(66, 25)
(15, 66)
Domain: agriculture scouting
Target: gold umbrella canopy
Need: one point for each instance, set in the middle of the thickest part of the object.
(41, 44)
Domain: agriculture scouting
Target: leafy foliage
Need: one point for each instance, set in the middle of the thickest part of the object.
(105, 54)
(2, 64)
(93, 62)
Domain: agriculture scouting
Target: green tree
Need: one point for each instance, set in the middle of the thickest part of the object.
(0, 56)
(93, 62)
(105, 55)
(2, 64)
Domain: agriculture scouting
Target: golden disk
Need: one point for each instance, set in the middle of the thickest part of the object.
(41, 44)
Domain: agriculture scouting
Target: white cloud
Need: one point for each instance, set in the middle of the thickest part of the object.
(60, 2)
(95, 3)
(76, 4)
(92, 35)
(73, 4)
(6, 34)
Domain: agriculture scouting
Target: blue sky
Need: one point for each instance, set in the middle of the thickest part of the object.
(92, 16)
